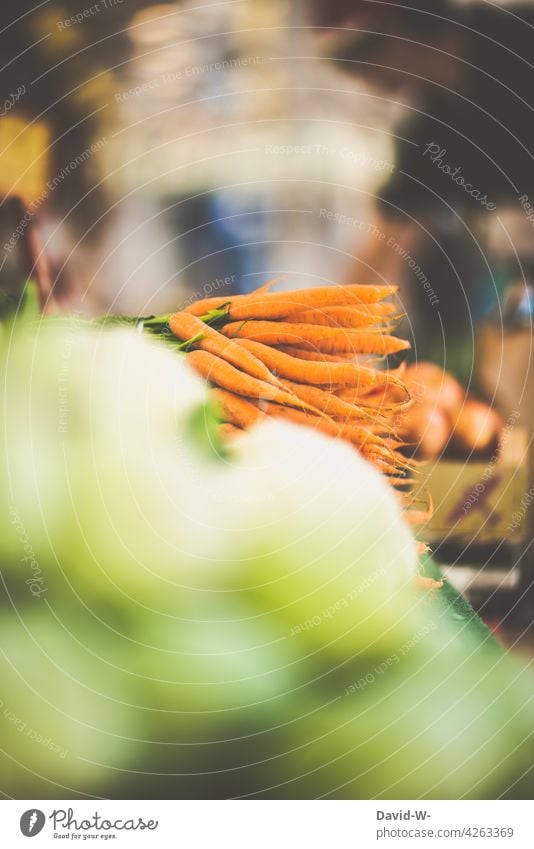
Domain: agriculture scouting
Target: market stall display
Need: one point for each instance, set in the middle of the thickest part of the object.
(245, 605)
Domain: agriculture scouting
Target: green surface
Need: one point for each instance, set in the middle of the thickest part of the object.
(457, 609)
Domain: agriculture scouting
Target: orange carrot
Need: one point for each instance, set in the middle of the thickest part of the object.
(235, 409)
(224, 374)
(328, 402)
(281, 304)
(394, 396)
(313, 356)
(392, 464)
(328, 339)
(206, 305)
(317, 373)
(300, 417)
(402, 481)
(387, 469)
(368, 444)
(228, 432)
(374, 312)
(365, 438)
(185, 327)
(337, 317)
(358, 435)
(374, 423)
(427, 583)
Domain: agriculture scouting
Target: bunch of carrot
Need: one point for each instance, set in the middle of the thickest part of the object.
(308, 356)
(303, 356)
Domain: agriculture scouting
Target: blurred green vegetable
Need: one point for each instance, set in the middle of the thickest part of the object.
(188, 622)
(96, 467)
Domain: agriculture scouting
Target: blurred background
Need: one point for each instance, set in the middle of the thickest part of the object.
(191, 143)
(151, 154)
(156, 153)
(167, 149)
(241, 139)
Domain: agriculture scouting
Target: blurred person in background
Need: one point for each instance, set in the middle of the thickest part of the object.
(217, 151)
(264, 139)
(460, 79)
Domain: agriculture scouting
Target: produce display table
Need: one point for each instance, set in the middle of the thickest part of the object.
(459, 610)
